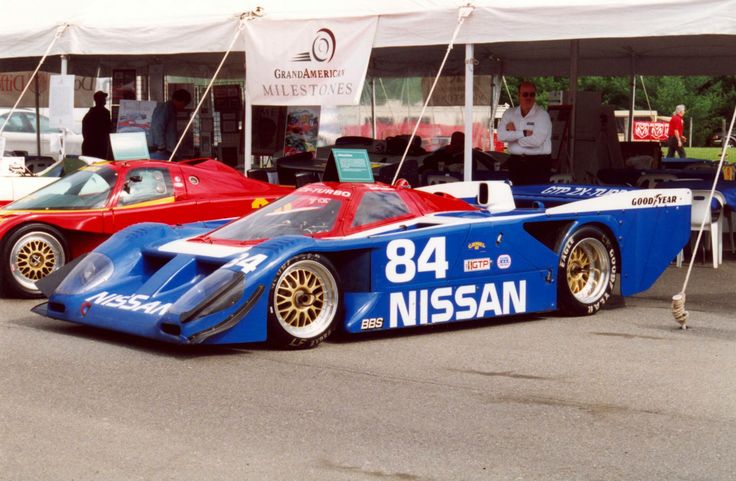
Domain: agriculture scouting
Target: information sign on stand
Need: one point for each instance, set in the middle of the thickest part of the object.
(349, 165)
(129, 146)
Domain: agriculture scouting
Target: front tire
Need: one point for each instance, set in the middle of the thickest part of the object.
(30, 254)
(586, 272)
(305, 302)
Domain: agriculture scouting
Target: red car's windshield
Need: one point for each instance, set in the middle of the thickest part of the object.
(89, 188)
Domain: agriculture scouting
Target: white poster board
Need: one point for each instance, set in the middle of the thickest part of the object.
(135, 116)
(61, 101)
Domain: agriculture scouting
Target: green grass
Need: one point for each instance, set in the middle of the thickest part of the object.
(707, 153)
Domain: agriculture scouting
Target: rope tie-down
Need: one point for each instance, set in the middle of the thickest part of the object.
(679, 312)
(59, 31)
(462, 14)
(241, 24)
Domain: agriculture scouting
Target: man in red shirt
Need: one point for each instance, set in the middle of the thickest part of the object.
(676, 138)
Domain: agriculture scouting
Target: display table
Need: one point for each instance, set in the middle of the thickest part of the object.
(678, 163)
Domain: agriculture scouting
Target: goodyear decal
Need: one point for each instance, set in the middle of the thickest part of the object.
(654, 200)
(258, 203)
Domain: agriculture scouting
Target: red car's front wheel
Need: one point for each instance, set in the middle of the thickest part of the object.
(30, 254)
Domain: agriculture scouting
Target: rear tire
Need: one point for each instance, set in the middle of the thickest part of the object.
(586, 272)
(305, 302)
(28, 255)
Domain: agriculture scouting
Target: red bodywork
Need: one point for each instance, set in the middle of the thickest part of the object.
(203, 189)
(418, 202)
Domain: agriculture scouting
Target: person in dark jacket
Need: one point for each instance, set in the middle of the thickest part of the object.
(96, 127)
(164, 133)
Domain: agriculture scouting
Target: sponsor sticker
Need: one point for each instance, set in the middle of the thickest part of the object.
(477, 245)
(503, 261)
(371, 323)
(134, 303)
(442, 304)
(654, 200)
(474, 265)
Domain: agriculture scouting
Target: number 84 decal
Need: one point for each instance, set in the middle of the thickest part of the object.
(402, 266)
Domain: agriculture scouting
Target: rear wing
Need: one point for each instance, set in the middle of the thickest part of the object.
(495, 196)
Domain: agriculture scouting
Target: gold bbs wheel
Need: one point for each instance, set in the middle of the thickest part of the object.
(33, 256)
(305, 300)
(587, 271)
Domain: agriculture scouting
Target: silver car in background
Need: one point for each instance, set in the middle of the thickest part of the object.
(20, 136)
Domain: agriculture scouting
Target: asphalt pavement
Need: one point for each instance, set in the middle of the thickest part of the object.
(622, 395)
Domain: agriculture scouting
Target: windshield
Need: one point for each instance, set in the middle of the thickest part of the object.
(85, 189)
(295, 214)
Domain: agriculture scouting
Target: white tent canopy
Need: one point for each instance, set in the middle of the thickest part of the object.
(527, 38)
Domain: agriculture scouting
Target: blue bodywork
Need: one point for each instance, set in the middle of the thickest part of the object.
(461, 266)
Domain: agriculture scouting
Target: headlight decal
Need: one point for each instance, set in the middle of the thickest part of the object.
(218, 291)
(92, 271)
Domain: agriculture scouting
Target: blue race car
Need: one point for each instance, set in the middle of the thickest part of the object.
(369, 257)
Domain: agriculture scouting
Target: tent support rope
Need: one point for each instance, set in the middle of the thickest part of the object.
(241, 25)
(678, 300)
(59, 31)
(463, 13)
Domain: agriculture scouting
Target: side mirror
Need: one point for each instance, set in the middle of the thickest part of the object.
(484, 194)
(134, 179)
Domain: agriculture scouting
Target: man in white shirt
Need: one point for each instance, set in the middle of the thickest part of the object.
(527, 130)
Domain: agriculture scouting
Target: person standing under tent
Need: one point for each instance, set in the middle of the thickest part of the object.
(676, 139)
(96, 128)
(164, 134)
(527, 130)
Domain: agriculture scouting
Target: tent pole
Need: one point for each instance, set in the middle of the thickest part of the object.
(468, 147)
(573, 87)
(373, 107)
(38, 117)
(64, 69)
(495, 98)
(248, 127)
(630, 135)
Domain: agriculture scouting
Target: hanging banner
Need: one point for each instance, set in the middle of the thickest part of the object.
(313, 62)
(13, 83)
(61, 101)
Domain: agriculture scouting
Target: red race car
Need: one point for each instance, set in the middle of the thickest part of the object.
(44, 230)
